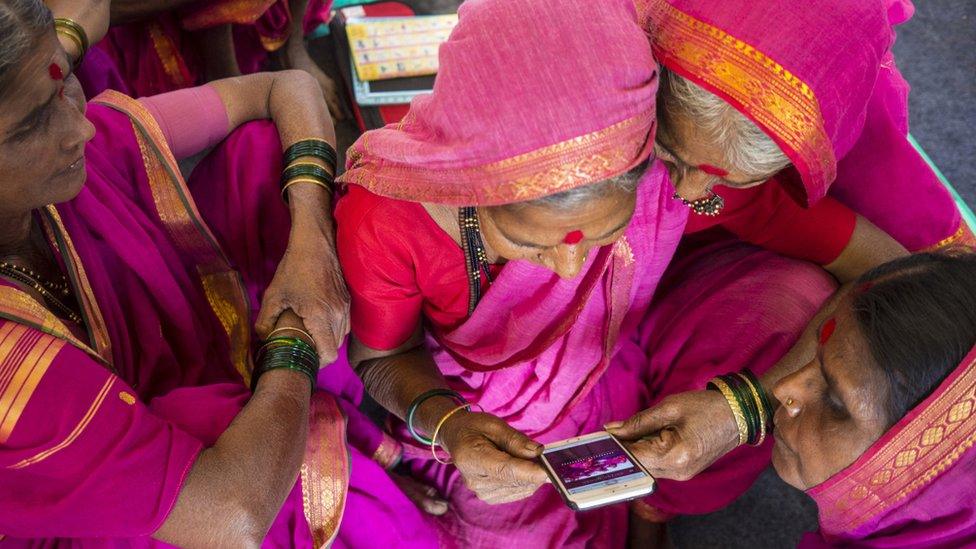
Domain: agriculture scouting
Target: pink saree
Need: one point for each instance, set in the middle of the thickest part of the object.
(843, 123)
(914, 486)
(100, 428)
(151, 57)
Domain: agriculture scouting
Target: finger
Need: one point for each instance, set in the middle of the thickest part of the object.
(515, 471)
(513, 441)
(424, 497)
(271, 309)
(642, 423)
(326, 343)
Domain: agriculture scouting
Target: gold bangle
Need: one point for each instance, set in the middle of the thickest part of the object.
(73, 38)
(76, 32)
(759, 406)
(298, 330)
(297, 163)
(740, 419)
(437, 430)
(284, 188)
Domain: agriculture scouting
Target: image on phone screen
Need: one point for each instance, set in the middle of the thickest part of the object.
(590, 465)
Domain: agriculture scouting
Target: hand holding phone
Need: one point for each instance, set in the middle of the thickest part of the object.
(595, 470)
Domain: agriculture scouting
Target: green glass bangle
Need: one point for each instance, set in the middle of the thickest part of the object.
(763, 395)
(312, 147)
(310, 171)
(423, 397)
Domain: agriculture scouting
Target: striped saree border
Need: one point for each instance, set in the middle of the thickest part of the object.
(325, 469)
(25, 355)
(782, 104)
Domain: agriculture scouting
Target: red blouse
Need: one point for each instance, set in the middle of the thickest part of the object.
(401, 267)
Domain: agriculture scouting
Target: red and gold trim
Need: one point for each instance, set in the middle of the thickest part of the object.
(25, 355)
(169, 57)
(241, 12)
(912, 454)
(178, 212)
(778, 101)
(588, 158)
(325, 471)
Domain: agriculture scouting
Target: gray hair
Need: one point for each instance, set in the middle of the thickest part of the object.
(21, 22)
(573, 198)
(747, 148)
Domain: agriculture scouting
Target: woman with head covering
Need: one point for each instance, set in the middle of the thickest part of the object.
(486, 243)
(879, 427)
(127, 297)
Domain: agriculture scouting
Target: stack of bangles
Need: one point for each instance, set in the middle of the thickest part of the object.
(290, 353)
(299, 167)
(750, 405)
(412, 411)
(75, 33)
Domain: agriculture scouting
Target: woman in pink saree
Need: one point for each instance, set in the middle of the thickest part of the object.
(127, 297)
(535, 319)
(879, 427)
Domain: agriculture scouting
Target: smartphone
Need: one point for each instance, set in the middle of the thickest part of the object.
(595, 470)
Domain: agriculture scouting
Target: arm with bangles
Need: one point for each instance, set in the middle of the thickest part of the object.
(296, 56)
(236, 487)
(495, 460)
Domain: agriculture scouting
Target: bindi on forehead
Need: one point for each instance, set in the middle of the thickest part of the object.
(574, 237)
(55, 71)
(827, 331)
(713, 170)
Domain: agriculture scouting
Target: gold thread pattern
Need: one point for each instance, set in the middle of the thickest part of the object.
(127, 397)
(588, 158)
(916, 453)
(325, 470)
(169, 57)
(21, 308)
(241, 12)
(220, 289)
(25, 356)
(76, 432)
(776, 99)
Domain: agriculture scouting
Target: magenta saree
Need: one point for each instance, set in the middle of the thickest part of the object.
(914, 486)
(100, 428)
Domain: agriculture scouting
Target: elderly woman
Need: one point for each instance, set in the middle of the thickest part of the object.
(159, 46)
(766, 119)
(125, 339)
(879, 426)
(490, 262)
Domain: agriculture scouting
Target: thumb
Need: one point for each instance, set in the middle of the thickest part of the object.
(268, 316)
(326, 344)
(641, 424)
(515, 442)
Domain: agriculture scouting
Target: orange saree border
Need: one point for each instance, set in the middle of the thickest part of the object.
(770, 95)
(555, 168)
(25, 356)
(962, 237)
(19, 307)
(222, 285)
(912, 454)
(169, 57)
(241, 12)
(325, 469)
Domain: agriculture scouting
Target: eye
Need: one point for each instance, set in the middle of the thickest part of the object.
(834, 404)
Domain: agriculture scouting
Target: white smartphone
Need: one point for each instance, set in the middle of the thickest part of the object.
(595, 470)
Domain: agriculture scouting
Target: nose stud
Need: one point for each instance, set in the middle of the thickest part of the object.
(789, 403)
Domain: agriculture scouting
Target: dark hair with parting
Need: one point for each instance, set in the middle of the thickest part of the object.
(21, 23)
(918, 315)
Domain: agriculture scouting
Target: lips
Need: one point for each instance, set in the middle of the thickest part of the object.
(73, 166)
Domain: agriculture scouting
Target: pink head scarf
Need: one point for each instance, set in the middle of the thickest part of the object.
(914, 487)
(802, 71)
(532, 98)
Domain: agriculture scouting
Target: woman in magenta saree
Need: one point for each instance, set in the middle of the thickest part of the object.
(109, 406)
(547, 356)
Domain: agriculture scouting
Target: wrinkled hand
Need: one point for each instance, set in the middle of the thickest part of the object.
(92, 15)
(682, 435)
(497, 462)
(309, 282)
(424, 497)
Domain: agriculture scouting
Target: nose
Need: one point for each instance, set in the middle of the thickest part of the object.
(78, 130)
(792, 390)
(566, 260)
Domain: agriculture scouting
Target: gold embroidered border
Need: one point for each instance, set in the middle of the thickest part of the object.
(241, 12)
(782, 104)
(76, 432)
(588, 158)
(918, 452)
(962, 237)
(25, 356)
(177, 210)
(169, 57)
(388, 453)
(325, 471)
(19, 307)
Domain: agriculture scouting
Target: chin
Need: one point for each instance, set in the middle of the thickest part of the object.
(66, 187)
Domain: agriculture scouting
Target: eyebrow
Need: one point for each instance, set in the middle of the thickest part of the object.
(729, 181)
(32, 116)
(533, 245)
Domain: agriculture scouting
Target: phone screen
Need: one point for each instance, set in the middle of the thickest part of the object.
(588, 465)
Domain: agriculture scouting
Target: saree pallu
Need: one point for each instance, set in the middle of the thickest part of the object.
(150, 57)
(168, 317)
(914, 486)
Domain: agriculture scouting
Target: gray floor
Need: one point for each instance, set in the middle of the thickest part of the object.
(937, 53)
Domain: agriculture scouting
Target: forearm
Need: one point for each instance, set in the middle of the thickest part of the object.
(237, 486)
(125, 11)
(396, 381)
(869, 247)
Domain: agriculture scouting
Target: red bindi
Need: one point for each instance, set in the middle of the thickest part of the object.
(827, 331)
(574, 237)
(713, 170)
(55, 71)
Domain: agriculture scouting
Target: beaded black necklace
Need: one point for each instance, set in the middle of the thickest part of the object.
(475, 257)
(55, 294)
